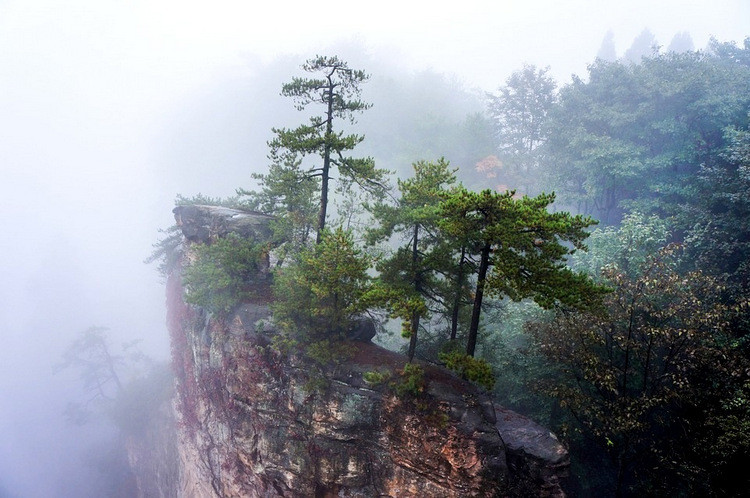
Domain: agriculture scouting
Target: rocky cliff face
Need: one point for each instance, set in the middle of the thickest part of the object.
(255, 422)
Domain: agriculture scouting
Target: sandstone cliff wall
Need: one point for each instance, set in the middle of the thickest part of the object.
(254, 422)
(259, 423)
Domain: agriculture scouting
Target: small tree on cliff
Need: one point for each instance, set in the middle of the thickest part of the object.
(290, 196)
(521, 249)
(337, 90)
(318, 296)
(225, 273)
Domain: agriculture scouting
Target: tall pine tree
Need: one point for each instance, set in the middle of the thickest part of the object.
(410, 273)
(336, 88)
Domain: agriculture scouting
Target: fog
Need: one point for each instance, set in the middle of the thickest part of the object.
(108, 109)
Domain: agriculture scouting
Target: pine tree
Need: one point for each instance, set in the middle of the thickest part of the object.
(320, 294)
(411, 273)
(521, 248)
(337, 90)
(290, 195)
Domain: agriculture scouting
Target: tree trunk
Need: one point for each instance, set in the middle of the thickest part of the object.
(413, 338)
(484, 264)
(111, 366)
(326, 166)
(457, 297)
(620, 476)
(418, 288)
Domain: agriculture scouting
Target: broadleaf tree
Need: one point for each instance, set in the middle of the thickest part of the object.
(637, 135)
(336, 88)
(718, 242)
(519, 111)
(654, 379)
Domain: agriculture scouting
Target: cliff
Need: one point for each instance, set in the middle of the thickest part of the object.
(255, 422)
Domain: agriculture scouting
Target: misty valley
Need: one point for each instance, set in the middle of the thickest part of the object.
(416, 288)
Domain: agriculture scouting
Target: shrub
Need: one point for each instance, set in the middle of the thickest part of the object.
(375, 377)
(470, 368)
(412, 381)
(221, 276)
(327, 352)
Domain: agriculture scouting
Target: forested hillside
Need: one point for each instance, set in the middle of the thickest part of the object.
(656, 382)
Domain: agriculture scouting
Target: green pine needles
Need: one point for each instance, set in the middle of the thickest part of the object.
(320, 294)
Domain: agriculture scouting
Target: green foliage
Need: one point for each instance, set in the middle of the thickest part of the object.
(412, 382)
(321, 293)
(519, 111)
(169, 248)
(375, 377)
(527, 246)
(470, 368)
(626, 246)
(521, 247)
(643, 377)
(290, 195)
(223, 273)
(400, 303)
(409, 278)
(410, 386)
(718, 240)
(730, 53)
(326, 355)
(418, 204)
(509, 350)
(205, 200)
(328, 352)
(636, 135)
(167, 251)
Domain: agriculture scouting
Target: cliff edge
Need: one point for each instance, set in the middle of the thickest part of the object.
(252, 421)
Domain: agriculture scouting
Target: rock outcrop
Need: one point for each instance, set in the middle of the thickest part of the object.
(255, 422)
(200, 223)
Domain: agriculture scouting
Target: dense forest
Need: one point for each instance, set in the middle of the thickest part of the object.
(579, 250)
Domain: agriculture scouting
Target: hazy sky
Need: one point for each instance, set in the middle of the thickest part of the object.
(92, 94)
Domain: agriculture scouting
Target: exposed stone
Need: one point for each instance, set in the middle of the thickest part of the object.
(266, 425)
(535, 456)
(362, 331)
(153, 455)
(200, 223)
